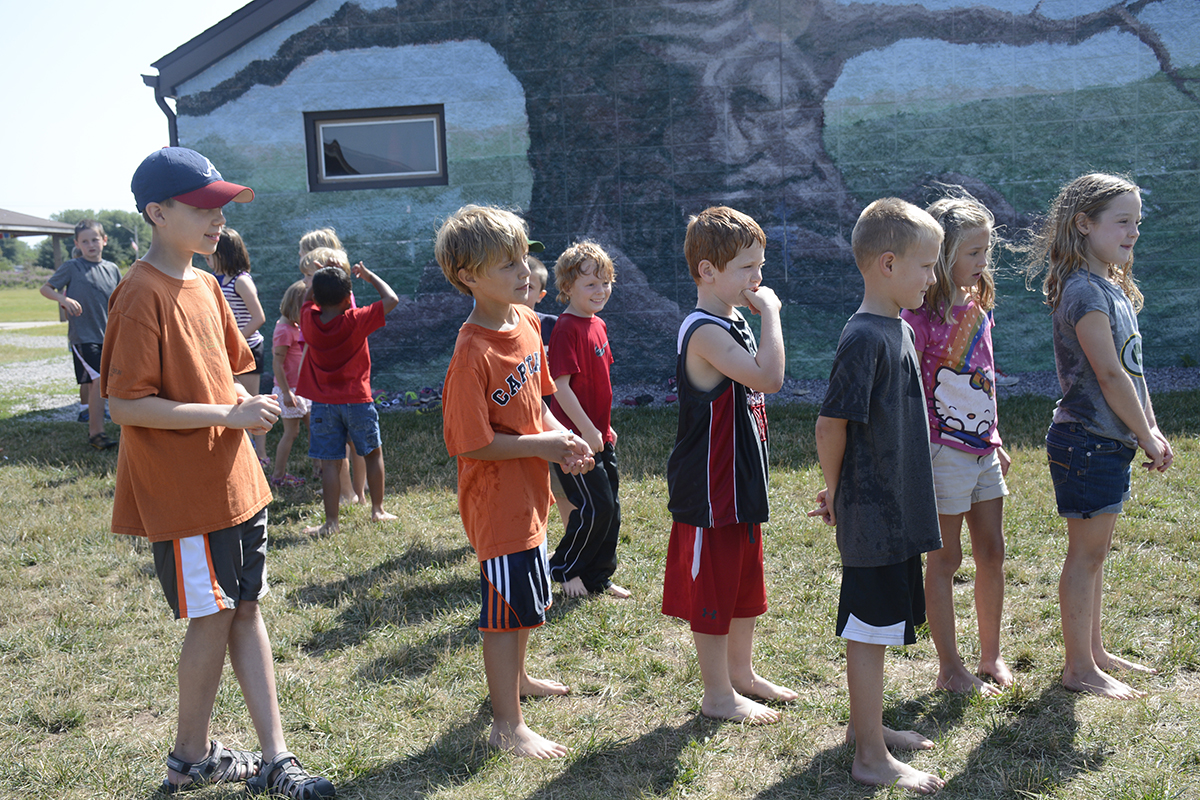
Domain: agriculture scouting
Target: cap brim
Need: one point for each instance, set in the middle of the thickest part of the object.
(535, 247)
(217, 194)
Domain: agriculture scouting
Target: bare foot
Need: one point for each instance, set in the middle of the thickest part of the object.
(349, 500)
(737, 708)
(896, 773)
(382, 516)
(998, 671)
(962, 682)
(542, 687)
(1101, 683)
(321, 531)
(897, 740)
(1107, 661)
(762, 689)
(617, 591)
(522, 742)
(574, 587)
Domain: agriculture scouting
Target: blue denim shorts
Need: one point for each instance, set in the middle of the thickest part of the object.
(1090, 473)
(332, 424)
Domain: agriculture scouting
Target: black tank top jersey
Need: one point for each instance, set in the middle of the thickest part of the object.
(717, 473)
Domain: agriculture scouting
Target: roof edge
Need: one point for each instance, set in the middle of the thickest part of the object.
(201, 52)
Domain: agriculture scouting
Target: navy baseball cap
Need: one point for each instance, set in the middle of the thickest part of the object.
(187, 176)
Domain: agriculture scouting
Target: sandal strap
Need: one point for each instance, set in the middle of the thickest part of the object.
(285, 776)
(241, 765)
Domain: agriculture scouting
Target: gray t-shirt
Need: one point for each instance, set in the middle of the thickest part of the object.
(89, 283)
(1082, 400)
(885, 506)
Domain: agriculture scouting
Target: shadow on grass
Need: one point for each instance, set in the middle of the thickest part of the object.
(1029, 750)
(29, 439)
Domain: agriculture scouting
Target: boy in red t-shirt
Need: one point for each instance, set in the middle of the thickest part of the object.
(579, 357)
(336, 376)
(502, 435)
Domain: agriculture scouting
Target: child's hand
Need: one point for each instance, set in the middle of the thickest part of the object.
(571, 452)
(358, 269)
(1005, 460)
(71, 307)
(613, 434)
(256, 414)
(1159, 451)
(286, 398)
(762, 299)
(594, 439)
(823, 509)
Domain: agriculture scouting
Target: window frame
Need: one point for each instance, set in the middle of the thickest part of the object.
(312, 140)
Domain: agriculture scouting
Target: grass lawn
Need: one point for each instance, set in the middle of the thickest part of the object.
(20, 304)
(380, 671)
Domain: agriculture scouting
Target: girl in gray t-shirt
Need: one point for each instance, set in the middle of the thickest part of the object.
(1105, 413)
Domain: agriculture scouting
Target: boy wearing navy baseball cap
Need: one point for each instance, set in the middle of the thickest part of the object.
(187, 476)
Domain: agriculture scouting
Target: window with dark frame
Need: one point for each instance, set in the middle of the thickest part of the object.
(376, 148)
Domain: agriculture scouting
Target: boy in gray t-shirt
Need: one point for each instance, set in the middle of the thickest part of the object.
(82, 287)
(873, 445)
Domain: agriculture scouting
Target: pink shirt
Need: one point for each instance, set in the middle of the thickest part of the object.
(289, 336)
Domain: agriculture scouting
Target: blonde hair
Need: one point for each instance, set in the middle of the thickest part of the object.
(321, 237)
(1060, 244)
(538, 270)
(292, 302)
(313, 260)
(569, 266)
(716, 235)
(961, 216)
(475, 238)
(890, 225)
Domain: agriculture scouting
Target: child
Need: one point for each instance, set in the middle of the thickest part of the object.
(81, 287)
(353, 484)
(1105, 412)
(873, 445)
(187, 477)
(287, 350)
(579, 359)
(954, 344)
(321, 237)
(231, 264)
(502, 435)
(538, 278)
(336, 376)
(717, 473)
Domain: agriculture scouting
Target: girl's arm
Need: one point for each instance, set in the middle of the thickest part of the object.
(278, 355)
(1095, 339)
(244, 286)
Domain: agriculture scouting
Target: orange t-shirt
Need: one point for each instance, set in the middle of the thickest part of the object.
(177, 340)
(495, 385)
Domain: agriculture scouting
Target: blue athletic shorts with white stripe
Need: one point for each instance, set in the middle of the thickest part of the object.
(515, 590)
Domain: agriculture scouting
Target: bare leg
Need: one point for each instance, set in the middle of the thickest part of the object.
(874, 764)
(331, 481)
(375, 479)
(745, 680)
(721, 700)
(201, 660)
(95, 412)
(1078, 590)
(985, 521)
(358, 472)
(1104, 659)
(250, 657)
(940, 567)
(501, 662)
(536, 687)
(291, 429)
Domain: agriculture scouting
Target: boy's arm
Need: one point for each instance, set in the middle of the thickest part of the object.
(555, 443)
(72, 307)
(831, 450)
(714, 355)
(386, 295)
(567, 398)
(256, 414)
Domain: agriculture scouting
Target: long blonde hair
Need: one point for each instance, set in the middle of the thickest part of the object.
(1060, 244)
(960, 214)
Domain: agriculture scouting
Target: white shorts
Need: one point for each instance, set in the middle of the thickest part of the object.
(962, 479)
(298, 411)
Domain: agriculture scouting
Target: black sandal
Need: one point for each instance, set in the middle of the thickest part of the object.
(221, 765)
(285, 777)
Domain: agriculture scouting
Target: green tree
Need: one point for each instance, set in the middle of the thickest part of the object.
(128, 235)
(13, 253)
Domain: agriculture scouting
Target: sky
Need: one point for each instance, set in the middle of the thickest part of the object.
(78, 119)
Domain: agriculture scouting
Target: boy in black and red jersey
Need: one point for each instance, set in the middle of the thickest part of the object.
(717, 473)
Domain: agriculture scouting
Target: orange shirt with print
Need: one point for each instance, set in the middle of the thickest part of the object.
(495, 385)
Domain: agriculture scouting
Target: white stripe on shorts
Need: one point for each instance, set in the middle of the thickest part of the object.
(697, 547)
(858, 631)
(199, 592)
(91, 373)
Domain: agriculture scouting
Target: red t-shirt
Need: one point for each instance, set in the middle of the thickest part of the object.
(579, 348)
(337, 368)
